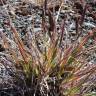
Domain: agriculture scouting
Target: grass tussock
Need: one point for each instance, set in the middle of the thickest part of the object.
(48, 65)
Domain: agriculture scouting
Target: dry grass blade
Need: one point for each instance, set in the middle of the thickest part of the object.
(20, 44)
(66, 56)
(51, 22)
(7, 47)
(62, 32)
(83, 14)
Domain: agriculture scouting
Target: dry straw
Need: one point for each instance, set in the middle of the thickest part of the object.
(41, 2)
(35, 2)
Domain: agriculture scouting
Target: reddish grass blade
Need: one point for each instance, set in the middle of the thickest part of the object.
(66, 56)
(62, 32)
(20, 44)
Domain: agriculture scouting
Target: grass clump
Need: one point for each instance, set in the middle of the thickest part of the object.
(48, 65)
